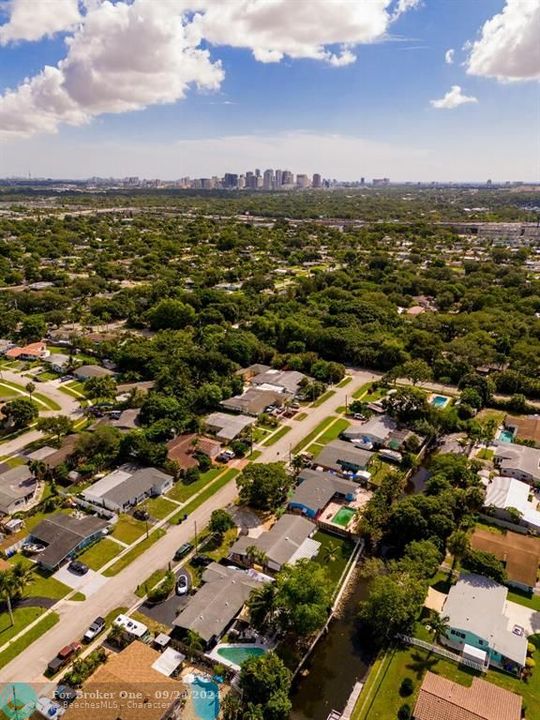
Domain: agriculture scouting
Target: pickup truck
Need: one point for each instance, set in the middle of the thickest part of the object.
(64, 656)
(95, 628)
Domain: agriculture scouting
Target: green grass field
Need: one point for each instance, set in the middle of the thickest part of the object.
(128, 529)
(49, 587)
(227, 476)
(22, 616)
(134, 553)
(159, 507)
(334, 553)
(333, 431)
(346, 380)
(100, 553)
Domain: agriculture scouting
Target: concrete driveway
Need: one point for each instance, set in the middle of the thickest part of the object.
(89, 583)
(523, 616)
(166, 611)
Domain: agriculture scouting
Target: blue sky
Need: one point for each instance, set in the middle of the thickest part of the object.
(373, 116)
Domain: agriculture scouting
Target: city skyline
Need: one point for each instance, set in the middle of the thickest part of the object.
(410, 89)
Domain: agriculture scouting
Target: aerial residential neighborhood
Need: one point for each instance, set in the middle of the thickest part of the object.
(269, 360)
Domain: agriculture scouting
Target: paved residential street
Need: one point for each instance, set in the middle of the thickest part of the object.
(118, 590)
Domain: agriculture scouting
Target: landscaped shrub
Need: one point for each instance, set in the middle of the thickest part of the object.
(407, 687)
(404, 712)
(530, 663)
(163, 590)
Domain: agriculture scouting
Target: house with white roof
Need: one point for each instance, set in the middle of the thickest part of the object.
(518, 461)
(480, 626)
(505, 493)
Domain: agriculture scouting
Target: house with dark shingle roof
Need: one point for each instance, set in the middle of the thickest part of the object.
(64, 536)
(316, 489)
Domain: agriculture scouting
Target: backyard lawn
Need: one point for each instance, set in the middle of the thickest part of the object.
(183, 491)
(100, 553)
(333, 554)
(379, 469)
(381, 699)
(159, 507)
(128, 529)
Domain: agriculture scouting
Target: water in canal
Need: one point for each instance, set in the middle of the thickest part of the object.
(337, 662)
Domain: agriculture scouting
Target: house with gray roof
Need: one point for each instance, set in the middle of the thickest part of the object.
(217, 603)
(343, 457)
(480, 626)
(289, 540)
(316, 489)
(65, 536)
(227, 427)
(377, 429)
(518, 461)
(17, 488)
(254, 401)
(126, 487)
(282, 381)
(91, 371)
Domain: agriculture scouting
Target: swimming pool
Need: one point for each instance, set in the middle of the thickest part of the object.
(344, 516)
(238, 654)
(506, 436)
(439, 401)
(205, 698)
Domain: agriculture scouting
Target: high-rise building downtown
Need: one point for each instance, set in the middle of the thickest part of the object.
(278, 179)
(268, 180)
(316, 182)
(302, 181)
(288, 178)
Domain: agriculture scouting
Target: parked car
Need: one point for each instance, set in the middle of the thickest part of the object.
(77, 567)
(359, 416)
(201, 561)
(63, 657)
(183, 550)
(94, 629)
(182, 585)
(141, 514)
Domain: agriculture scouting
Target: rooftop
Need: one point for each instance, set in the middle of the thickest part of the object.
(478, 605)
(316, 488)
(63, 533)
(520, 457)
(338, 452)
(217, 602)
(442, 699)
(527, 426)
(228, 427)
(282, 541)
(520, 553)
(253, 401)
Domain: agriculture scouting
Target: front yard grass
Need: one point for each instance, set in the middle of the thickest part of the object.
(323, 398)
(128, 529)
(22, 616)
(334, 431)
(20, 645)
(100, 553)
(277, 435)
(150, 582)
(183, 491)
(346, 380)
(218, 547)
(313, 434)
(362, 390)
(134, 553)
(159, 507)
(214, 487)
(47, 587)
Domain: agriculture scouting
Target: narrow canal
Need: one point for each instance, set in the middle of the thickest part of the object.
(337, 662)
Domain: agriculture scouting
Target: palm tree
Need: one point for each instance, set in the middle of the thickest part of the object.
(261, 604)
(12, 584)
(194, 641)
(330, 552)
(439, 626)
(30, 388)
(458, 544)
(255, 555)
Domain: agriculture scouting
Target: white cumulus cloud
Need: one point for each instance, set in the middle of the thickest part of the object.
(509, 45)
(453, 99)
(449, 56)
(272, 29)
(125, 55)
(33, 19)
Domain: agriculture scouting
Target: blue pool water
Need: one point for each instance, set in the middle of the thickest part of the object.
(205, 698)
(506, 436)
(439, 401)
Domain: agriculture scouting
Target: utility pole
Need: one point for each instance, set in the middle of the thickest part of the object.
(196, 538)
